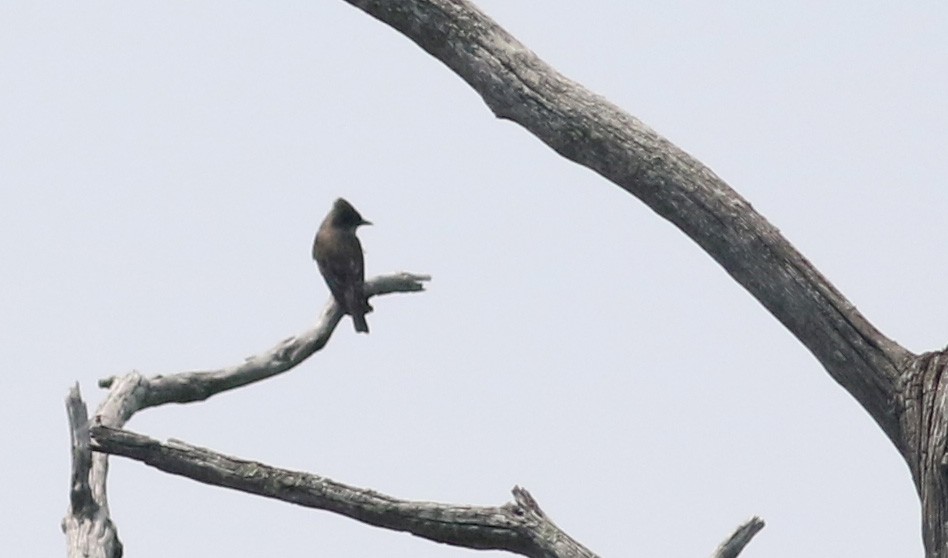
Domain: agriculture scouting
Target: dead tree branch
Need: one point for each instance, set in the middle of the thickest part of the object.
(89, 531)
(519, 527)
(133, 392)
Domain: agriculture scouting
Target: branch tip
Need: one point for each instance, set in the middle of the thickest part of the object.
(735, 544)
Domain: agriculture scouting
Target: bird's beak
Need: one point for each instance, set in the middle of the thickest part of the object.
(364, 222)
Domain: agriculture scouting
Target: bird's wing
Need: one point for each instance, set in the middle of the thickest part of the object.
(341, 264)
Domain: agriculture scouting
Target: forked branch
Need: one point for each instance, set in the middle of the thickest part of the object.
(88, 527)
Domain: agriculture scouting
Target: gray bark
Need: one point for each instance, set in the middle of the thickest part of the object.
(89, 530)
(903, 392)
(519, 527)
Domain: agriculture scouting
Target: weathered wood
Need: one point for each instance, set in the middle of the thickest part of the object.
(89, 531)
(519, 527)
(925, 424)
(188, 387)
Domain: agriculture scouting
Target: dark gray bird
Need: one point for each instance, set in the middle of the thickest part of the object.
(338, 254)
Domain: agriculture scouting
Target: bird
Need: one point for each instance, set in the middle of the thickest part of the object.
(338, 255)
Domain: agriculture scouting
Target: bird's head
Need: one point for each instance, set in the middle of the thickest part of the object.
(344, 216)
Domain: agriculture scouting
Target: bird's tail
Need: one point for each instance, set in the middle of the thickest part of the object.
(358, 320)
(358, 307)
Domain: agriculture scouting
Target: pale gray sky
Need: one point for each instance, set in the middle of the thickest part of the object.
(165, 164)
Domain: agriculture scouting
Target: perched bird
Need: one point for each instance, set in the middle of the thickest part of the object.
(338, 254)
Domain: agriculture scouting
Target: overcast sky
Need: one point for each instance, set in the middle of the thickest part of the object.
(164, 166)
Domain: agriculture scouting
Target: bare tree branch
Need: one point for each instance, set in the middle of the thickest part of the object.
(593, 132)
(739, 539)
(187, 387)
(519, 527)
(90, 532)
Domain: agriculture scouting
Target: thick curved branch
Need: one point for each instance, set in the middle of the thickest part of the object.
(589, 130)
(519, 527)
